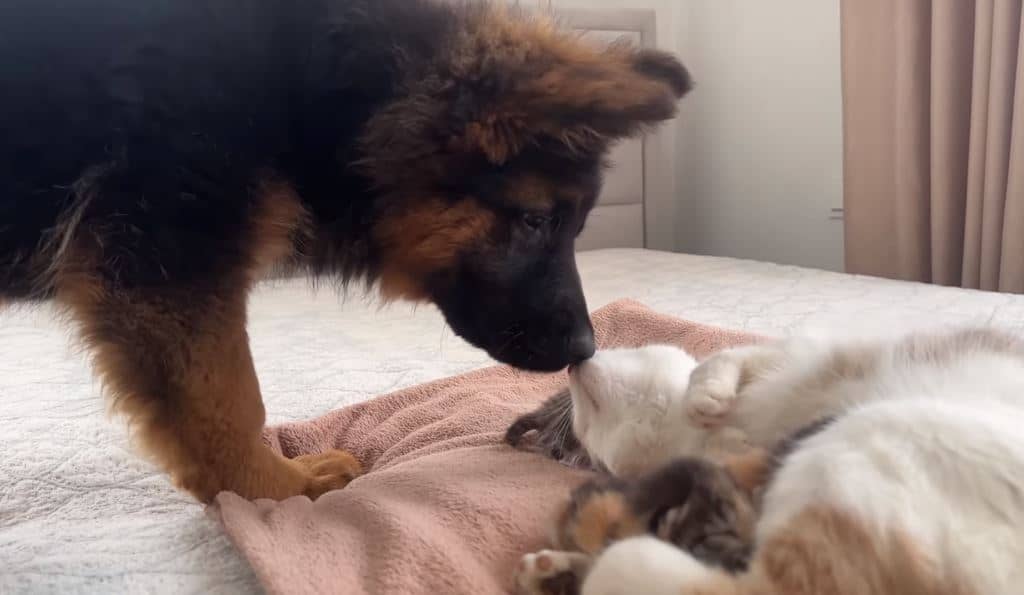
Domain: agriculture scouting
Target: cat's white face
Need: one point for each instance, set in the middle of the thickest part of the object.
(628, 406)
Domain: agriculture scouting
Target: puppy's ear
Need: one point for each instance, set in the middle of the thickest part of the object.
(507, 82)
(537, 82)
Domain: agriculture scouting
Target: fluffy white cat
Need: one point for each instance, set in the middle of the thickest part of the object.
(915, 486)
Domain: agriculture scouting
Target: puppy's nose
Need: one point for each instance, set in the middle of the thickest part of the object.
(581, 346)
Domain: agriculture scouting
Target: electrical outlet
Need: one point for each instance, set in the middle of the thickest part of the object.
(835, 214)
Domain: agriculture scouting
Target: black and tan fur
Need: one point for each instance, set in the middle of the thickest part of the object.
(157, 158)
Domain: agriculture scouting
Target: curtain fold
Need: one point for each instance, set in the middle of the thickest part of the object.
(934, 141)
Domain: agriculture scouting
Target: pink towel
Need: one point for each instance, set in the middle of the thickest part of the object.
(446, 507)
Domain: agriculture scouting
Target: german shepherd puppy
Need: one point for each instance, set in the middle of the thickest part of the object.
(158, 157)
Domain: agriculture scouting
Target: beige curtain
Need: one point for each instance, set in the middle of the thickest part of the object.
(933, 94)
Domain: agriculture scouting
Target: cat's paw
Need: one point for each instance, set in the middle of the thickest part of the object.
(550, 572)
(714, 388)
(648, 566)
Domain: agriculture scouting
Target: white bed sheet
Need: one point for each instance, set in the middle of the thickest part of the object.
(80, 513)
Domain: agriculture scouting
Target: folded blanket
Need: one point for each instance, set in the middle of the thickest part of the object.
(446, 507)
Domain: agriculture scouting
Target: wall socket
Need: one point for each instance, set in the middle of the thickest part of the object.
(835, 214)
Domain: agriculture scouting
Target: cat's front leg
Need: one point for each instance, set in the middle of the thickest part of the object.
(552, 572)
(649, 566)
(714, 388)
(716, 384)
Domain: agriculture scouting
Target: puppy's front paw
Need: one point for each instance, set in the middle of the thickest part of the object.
(328, 470)
(550, 572)
(713, 390)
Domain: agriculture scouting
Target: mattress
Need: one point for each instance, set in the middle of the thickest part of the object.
(80, 513)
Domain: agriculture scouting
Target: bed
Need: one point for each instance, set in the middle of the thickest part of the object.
(80, 513)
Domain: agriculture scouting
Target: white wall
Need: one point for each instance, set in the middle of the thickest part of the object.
(760, 138)
(758, 143)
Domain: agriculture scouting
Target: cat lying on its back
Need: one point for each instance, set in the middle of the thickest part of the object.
(875, 467)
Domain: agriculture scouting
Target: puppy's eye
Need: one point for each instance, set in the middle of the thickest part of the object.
(535, 221)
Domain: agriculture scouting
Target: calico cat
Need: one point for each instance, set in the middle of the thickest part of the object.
(886, 467)
(706, 508)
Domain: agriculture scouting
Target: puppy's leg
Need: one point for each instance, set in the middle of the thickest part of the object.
(155, 265)
(177, 363)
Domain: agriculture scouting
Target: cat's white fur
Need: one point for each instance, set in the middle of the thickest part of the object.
(928, 443)
(628, 407)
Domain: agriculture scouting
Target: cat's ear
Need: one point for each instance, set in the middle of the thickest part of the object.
(750, 470)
